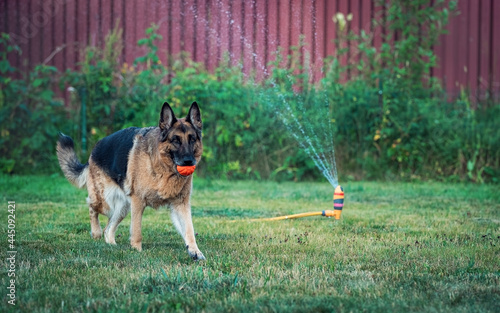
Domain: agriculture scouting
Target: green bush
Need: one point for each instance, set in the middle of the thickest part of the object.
(390, 121)
(30, 116)
(238, 130)
(393, 120)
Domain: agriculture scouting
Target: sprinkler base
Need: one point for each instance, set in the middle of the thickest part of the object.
(332, 213)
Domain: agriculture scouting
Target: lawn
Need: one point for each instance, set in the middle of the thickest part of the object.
(430, 247)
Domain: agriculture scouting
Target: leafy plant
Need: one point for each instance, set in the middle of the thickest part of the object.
(30, 116)
(390, 120)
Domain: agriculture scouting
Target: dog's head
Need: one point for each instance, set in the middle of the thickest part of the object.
(180, 139)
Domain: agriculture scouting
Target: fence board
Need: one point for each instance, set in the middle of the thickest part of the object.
(249, 31)
(48, 32)
(8, 9)
(355, 26)
(93, 23)
(17, 16)
(106, 16)
(261, 44)
(461, 48)
(343, 7)
(82, 28)
(8, 19)
(284, 29)
(248, 41)
(473, 68)
(205, 11)
(331, 28)
(378, 14)
(141, 24)
(69, 14)
(321, 39)
(295, 23)
(5, 15)
(129, 41)
(35, 39)
(199, 29)
(307, 31)
(58, 35)
(224, 16)
(495, 52)
(450, 58)
(365, 23)
(189, 34)
(163, 30)
(484, 48)
(235, 33)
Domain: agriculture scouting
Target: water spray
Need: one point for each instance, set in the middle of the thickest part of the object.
(338, 204)
(311, 140)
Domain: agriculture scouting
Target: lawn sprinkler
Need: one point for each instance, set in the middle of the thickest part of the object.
(338, 204)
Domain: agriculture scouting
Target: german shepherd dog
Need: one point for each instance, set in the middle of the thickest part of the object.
(137, 167)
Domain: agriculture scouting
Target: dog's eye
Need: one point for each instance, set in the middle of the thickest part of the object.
(191, 139)
(176, 140)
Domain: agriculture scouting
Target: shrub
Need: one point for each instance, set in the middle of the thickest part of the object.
(389, 121)
(30, 116)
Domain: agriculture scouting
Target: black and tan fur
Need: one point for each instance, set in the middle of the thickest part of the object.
(137, 167)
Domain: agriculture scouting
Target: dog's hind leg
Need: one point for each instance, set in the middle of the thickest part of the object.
(95, 207)
(95, 226)
(119, 207)
(94, 201)
(115, 219)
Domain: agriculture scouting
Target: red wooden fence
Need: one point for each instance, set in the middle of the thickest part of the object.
(56, 30)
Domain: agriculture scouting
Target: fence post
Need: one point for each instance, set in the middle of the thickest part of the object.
(83, 111)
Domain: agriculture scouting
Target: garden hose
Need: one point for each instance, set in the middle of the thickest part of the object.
(338, 204)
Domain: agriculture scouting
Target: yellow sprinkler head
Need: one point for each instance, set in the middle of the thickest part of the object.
(338, 202)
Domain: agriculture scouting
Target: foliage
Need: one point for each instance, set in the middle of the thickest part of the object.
(238, 131)
(390, 119)
(97, 83)
(30, 116)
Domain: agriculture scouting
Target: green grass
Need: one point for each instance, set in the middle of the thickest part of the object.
(429, 247)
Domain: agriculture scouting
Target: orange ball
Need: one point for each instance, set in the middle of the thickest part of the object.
(185, 170)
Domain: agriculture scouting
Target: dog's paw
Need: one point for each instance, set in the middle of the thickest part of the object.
(136, 245)
(96, 234)
(109, 239)
(195, 254)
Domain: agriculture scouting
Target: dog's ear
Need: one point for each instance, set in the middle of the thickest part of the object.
(167, 119)
(194, 117)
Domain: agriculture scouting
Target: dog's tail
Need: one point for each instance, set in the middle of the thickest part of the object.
(74, 171)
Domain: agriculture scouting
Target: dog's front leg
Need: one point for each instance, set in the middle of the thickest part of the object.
(181, 217)
(137, 209)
